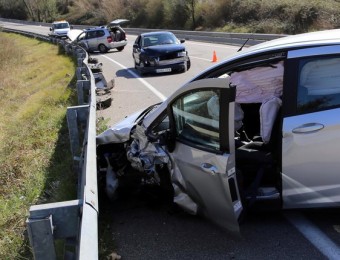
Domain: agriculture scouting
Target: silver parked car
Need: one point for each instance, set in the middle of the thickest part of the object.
(104, 38)
(261, 127)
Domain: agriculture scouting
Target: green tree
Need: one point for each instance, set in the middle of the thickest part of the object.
(136, 13)
(12, 9)
(192, 9)
(155, 13)
(41, 10)
(176, 14)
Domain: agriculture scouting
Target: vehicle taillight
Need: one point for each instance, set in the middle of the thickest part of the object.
(109, 39)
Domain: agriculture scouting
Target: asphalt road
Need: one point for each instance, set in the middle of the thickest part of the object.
(142, 227)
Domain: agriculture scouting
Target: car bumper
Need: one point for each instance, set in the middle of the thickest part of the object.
(167, 67)
(113, 45)
(59, 35)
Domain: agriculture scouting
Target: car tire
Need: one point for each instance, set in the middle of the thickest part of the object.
(188, 64)
(102, 48)
(120, 48)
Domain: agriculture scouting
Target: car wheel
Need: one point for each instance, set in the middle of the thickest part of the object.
(120, 48)
(186, 66)
(102, 48)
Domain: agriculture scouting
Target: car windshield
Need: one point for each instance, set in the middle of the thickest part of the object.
(61, 26)
(159, 39)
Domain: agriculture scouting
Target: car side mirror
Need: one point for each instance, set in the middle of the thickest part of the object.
(182, 40)
(71, 27)
(50, 28)
(135, 46)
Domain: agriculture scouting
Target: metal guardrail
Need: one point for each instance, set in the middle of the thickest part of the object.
(215, 37)
(75, 222)
(202, 36)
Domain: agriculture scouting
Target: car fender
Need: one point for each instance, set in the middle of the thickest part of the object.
(120, 132)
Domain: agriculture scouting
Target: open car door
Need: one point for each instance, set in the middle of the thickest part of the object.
(118, 22)
(203, 157)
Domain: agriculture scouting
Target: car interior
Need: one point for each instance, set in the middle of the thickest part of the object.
(258, 140)
(117, 34)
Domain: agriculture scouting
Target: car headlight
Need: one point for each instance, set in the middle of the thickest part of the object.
(181, 54)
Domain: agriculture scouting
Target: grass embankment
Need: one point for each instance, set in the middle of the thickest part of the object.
(35, 159)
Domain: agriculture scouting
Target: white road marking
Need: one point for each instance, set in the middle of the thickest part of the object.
(144, 82)
(323, 243)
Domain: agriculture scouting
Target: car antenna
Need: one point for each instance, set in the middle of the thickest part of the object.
(240, 49)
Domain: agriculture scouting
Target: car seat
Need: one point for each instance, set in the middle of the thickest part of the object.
(255, 158)
(214, 111)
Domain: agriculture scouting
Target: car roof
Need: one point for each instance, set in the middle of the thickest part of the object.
(63, 21)
(298, 41)
(95, 28)
(155, 33)
(319, 38)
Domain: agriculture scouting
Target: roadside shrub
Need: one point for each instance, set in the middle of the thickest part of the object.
(245, 11)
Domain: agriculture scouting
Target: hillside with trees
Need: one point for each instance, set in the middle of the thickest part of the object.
(257, 16)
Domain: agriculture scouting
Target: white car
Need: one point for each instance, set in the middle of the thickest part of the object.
(261, 127)
(59, 29)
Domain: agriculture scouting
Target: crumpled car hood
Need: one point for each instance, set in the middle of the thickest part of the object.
(163, 49)
(73, 34)
(120, 132)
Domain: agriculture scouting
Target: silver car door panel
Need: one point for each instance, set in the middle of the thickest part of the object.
(310, 160)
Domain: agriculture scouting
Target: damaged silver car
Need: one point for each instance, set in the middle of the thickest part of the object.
(258, 129)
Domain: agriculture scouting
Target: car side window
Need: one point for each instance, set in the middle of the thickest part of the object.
(318, 84)
(138, 40)
(100, 33)
(91, 35)
(196, 118)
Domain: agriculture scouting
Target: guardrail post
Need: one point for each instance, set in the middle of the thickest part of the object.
(40, 232)
(75, 116)
(80, 62)
(80, 53)
(82, 86)
(81, 72)
(51, 221)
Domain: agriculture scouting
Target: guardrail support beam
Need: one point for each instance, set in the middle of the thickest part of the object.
(82, 87)
(40, 232)
(51, 221)
(80, 72)
(76, 116)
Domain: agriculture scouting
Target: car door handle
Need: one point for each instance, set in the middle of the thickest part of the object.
(308, 128)
(209, 168)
